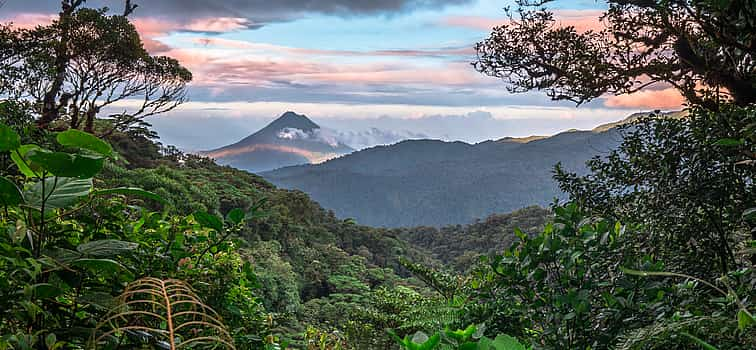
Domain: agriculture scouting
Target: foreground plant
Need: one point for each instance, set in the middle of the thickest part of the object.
(470, 338)
(165, 313)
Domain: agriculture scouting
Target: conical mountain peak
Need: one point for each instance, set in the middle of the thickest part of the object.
(293, 121)
(291, 139)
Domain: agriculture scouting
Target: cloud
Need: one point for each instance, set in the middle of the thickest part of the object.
(208, 125)
(222, 43)
(319, 135)
(582, 20)
(356, 139)
(217, 25)
(30, 20)
(262, 69)
(256, 11)
(373, 137)
(668, 98)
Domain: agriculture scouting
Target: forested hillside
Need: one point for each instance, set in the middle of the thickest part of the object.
(436, 183)
(460, 246)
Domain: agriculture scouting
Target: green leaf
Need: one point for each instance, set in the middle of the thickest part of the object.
(100, 300)
(236, 216)
(60, 192)
(468, 346)
(50, 340)
(80, 139)
(10, 195)
(106, 248)
(749, 214)
(420, 337)
(505, 342)
(101, 266)
(432, 342)
(19, 156)
(9, 139)
(68, 165)
(698, 341)
(130, 191)
(728, 142)
(46, 290)
(485, 344)
(745, 319)
(208, 220)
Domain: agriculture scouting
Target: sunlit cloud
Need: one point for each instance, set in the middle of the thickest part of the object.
(582, 20)
(669, 98)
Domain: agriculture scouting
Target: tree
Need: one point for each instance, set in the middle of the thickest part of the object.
(688, 181)
(85, 61)
(703, 48)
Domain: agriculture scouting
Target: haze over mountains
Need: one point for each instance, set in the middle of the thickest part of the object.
(292, 139)
(415, 182)
(434, 183)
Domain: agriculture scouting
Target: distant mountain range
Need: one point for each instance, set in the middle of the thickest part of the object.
(435, 183)
(292, 139)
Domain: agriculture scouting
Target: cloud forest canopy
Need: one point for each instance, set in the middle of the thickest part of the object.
(703, 48)
(85, 61)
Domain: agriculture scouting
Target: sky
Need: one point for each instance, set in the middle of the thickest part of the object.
(373, 72)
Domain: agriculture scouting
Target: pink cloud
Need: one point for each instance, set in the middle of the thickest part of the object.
(212, 69)
(582, 20)
(668, 98)
(149, 28)
(218, 24)
(246, 45)
(31, 20)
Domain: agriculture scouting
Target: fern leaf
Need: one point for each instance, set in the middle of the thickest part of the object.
(166, 313)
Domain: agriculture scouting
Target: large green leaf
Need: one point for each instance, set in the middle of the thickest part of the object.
(745, 319)
(505, 342)
(68, 165)
(99, 299)
(749, 213)
(46, 290)
(130, 191)
(9, 139)
(106, 267)
(236, 216)
(106, 248)
(699, 341)
(9, 193)
(431, 343)
(80, 139)
(728, 142)
(19, 156)
(208, 220)
(60, 192)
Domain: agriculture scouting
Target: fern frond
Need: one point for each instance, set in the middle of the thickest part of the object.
(166, 313)
(434, 316)
(674, 334)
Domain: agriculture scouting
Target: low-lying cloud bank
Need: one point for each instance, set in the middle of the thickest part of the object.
(202, 126)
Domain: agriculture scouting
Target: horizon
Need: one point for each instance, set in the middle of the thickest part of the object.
(334, 135)
(379, 72)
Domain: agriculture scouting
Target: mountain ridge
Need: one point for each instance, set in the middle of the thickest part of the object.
(429, 182)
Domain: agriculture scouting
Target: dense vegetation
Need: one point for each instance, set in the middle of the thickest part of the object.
(111, 241)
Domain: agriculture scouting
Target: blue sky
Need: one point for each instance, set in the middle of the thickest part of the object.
(401, 67)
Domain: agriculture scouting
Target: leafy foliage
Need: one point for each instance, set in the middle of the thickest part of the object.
(84, 62)
(676, 178)
(694, 46)
(67, 248)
